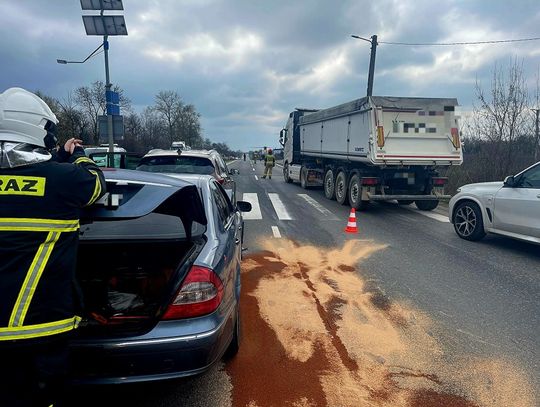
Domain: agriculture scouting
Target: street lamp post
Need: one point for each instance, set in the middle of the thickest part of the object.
(104, 26)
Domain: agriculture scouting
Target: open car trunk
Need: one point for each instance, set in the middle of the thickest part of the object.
(129, 269)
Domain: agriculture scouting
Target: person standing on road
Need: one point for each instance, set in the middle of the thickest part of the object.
(41, 198)
(269, 163)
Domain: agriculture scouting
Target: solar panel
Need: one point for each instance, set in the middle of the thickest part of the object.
(105, 25)
(102, 5)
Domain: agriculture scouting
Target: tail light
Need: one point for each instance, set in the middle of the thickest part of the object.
(200, 294)
(455, 137)
(370, 181)
(380, 136)
(439, 181)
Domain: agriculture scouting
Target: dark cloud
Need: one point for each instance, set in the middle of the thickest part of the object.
(245, 64)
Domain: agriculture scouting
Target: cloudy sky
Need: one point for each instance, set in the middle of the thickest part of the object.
(245, 64)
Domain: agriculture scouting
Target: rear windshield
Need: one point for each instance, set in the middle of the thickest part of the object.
(179, 165)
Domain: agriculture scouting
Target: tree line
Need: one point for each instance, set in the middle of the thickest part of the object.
(501, 137)
(169, 119)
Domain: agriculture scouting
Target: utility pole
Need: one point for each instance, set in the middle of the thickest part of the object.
(372, 65)
(536, 135)
(373, 42)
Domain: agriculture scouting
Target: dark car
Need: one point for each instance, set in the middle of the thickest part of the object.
(159, 269)
(189, 162)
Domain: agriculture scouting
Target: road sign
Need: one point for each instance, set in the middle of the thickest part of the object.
(118, 128)
(113, 102)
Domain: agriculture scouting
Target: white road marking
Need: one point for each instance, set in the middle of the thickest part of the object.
(232, 162)
(436, 216)
(255, 212)
(253, 169)
(275, 231)
(325, 212)
(257, 178)
(280, 209)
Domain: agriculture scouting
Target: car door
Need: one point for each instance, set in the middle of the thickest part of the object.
(230, 240)
(517, 207)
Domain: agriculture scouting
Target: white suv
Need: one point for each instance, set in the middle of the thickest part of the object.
(510, 208)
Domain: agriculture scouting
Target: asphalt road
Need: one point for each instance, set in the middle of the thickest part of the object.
(482, 299)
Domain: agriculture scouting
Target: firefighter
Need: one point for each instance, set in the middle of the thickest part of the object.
(269, 163)
(40, 204)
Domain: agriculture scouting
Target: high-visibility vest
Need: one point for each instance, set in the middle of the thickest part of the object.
(269, 159)
(40, 208)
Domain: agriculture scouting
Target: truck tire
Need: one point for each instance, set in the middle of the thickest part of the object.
(404, 201)
(286, 173)
(426, 205)
(303, 177)
(329, 185)
(468, 221)
(355, 194)
(341, 188)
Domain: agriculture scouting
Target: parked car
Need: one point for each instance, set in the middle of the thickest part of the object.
(189, 162)
(510, 208)
(159, 269)
(99, 155)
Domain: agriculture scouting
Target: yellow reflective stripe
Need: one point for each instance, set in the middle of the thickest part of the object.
(83, 160)
(97, 189)
(31, 280)
(39, 330)
(38, 225)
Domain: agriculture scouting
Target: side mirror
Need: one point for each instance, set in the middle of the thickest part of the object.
(244, 206)
(509, 181)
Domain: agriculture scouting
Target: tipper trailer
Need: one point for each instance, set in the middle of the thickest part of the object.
(376, 148)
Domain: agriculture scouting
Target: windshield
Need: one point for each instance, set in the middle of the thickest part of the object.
(177, 165)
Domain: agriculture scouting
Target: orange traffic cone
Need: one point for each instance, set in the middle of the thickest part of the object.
(351, 224)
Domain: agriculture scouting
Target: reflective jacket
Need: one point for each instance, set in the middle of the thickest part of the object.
(269, 159)
(40, 207)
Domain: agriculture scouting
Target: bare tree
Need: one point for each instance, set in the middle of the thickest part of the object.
(501, 117)
(91, 100)
(169, 105)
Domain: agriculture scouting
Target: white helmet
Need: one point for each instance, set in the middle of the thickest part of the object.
(23, 117)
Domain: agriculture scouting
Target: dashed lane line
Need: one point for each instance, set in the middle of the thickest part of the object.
(280, 209)
(257, 178)
(255, 212)
(327, 215)
(275, 231)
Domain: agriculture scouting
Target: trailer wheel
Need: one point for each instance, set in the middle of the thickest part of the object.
(286, 173)
(303, 177)
(355, 194)
(341, 188)
(329, 185)
(426, 205)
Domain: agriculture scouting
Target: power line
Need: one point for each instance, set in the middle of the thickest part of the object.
(457, 43)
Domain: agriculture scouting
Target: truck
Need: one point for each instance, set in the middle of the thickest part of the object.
(376, 148)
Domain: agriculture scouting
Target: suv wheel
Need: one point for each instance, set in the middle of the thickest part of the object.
(468, 222)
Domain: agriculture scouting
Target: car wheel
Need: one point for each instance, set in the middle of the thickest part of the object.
(404, 202)
(355, 194)
(234, 346)
(426, 205)
(468, 222)
(341, 188)
(329, 185)
(303, 177)
(286, 173)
